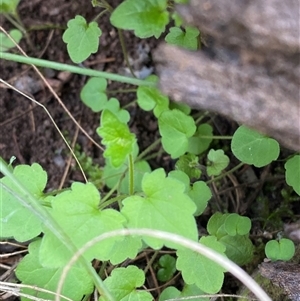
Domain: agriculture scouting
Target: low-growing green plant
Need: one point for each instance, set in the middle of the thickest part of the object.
(141, 197)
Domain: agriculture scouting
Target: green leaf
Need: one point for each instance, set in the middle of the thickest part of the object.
(187, 38)
(147, 18)
(284, 249)
(254, 148)
(164, 207)
(123, 282)
(149, 98)
(9, 6)
(239, 248)
(189, 164)
(236, 224)
(292, 173)
(200, 194)
(175, 128)
(217, 162)
(93, 94)
(181, 107)
(31, 272)
(117, 138)
(16, 220)
(82, 39)
(76, 212)
(113, 105)
(167, 269)
(5, 41)
(215, 225)
(198, 144)
(199, 270)
(181, 177)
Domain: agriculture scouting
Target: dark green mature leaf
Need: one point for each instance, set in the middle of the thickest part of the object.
(31, 272)
(254, 148)
(16, 220)
(147, 18)
(82, 39)
(164, 207)
(292, 173)
(167, 264)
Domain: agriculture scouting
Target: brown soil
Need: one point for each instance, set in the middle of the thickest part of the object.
(27, 132)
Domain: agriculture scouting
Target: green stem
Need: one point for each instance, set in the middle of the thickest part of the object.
(148, 149)
(15, 23)
(215, 137)
(100, 14)
(226, 173)
(131, 174)
(111, 201)
(74, 69)
(27, 200)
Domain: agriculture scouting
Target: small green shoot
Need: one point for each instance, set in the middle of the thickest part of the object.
(188, 163)
(284, 249)
(167, 264)
(254, 148)
(292, 173)
(6, 43)
(147, 18)
(187, 38)
(82, 39)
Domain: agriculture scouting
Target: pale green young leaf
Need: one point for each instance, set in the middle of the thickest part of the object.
(292, 173)
(199, 270)
(181, 107)
(177, 19)
(164, 206)
(113, 105)
(93, 94)
(16, 220)
(237, 224)
(189, 164)
(198, 143)
(149, 98)
(200, 194)
(215, 225)
(5, 41)
(147, 18)
(31, 272)
(181, 177)
(117, 138)
(82, 39)
(76, 212)
(217, 161)
(284, 249)
(254, 148)
(175, 128)
(9, 6)
(123, 284)
(187, 38)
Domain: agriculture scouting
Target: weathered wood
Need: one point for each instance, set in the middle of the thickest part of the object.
(251, 70)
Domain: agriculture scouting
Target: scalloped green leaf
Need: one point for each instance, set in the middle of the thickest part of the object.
(284, 249)
(254, 148)
(292, 173)
(93, 94)
(187, 38)
(82, 39)
(113, 105)
(5, 41)
(147, 18)
(16, 220)
(31, 272)
(76, 212)
(123, 284)
(199, 270)
(201, 140)
(236, 224)
(150, 98)
(217, 161)
(164, 206)
(117, 137)
(176, 128)
(167, 264)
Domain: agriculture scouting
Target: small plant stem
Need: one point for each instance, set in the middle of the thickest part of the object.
(151, 261)
(131, 174)
(197, 121)
(215, 137)
(226, 173)
(124, 50)
(148, 150)
(107, 196)
(100, 14)
(74, 69)
(15, 23)
(111, 201)
(129, 104)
